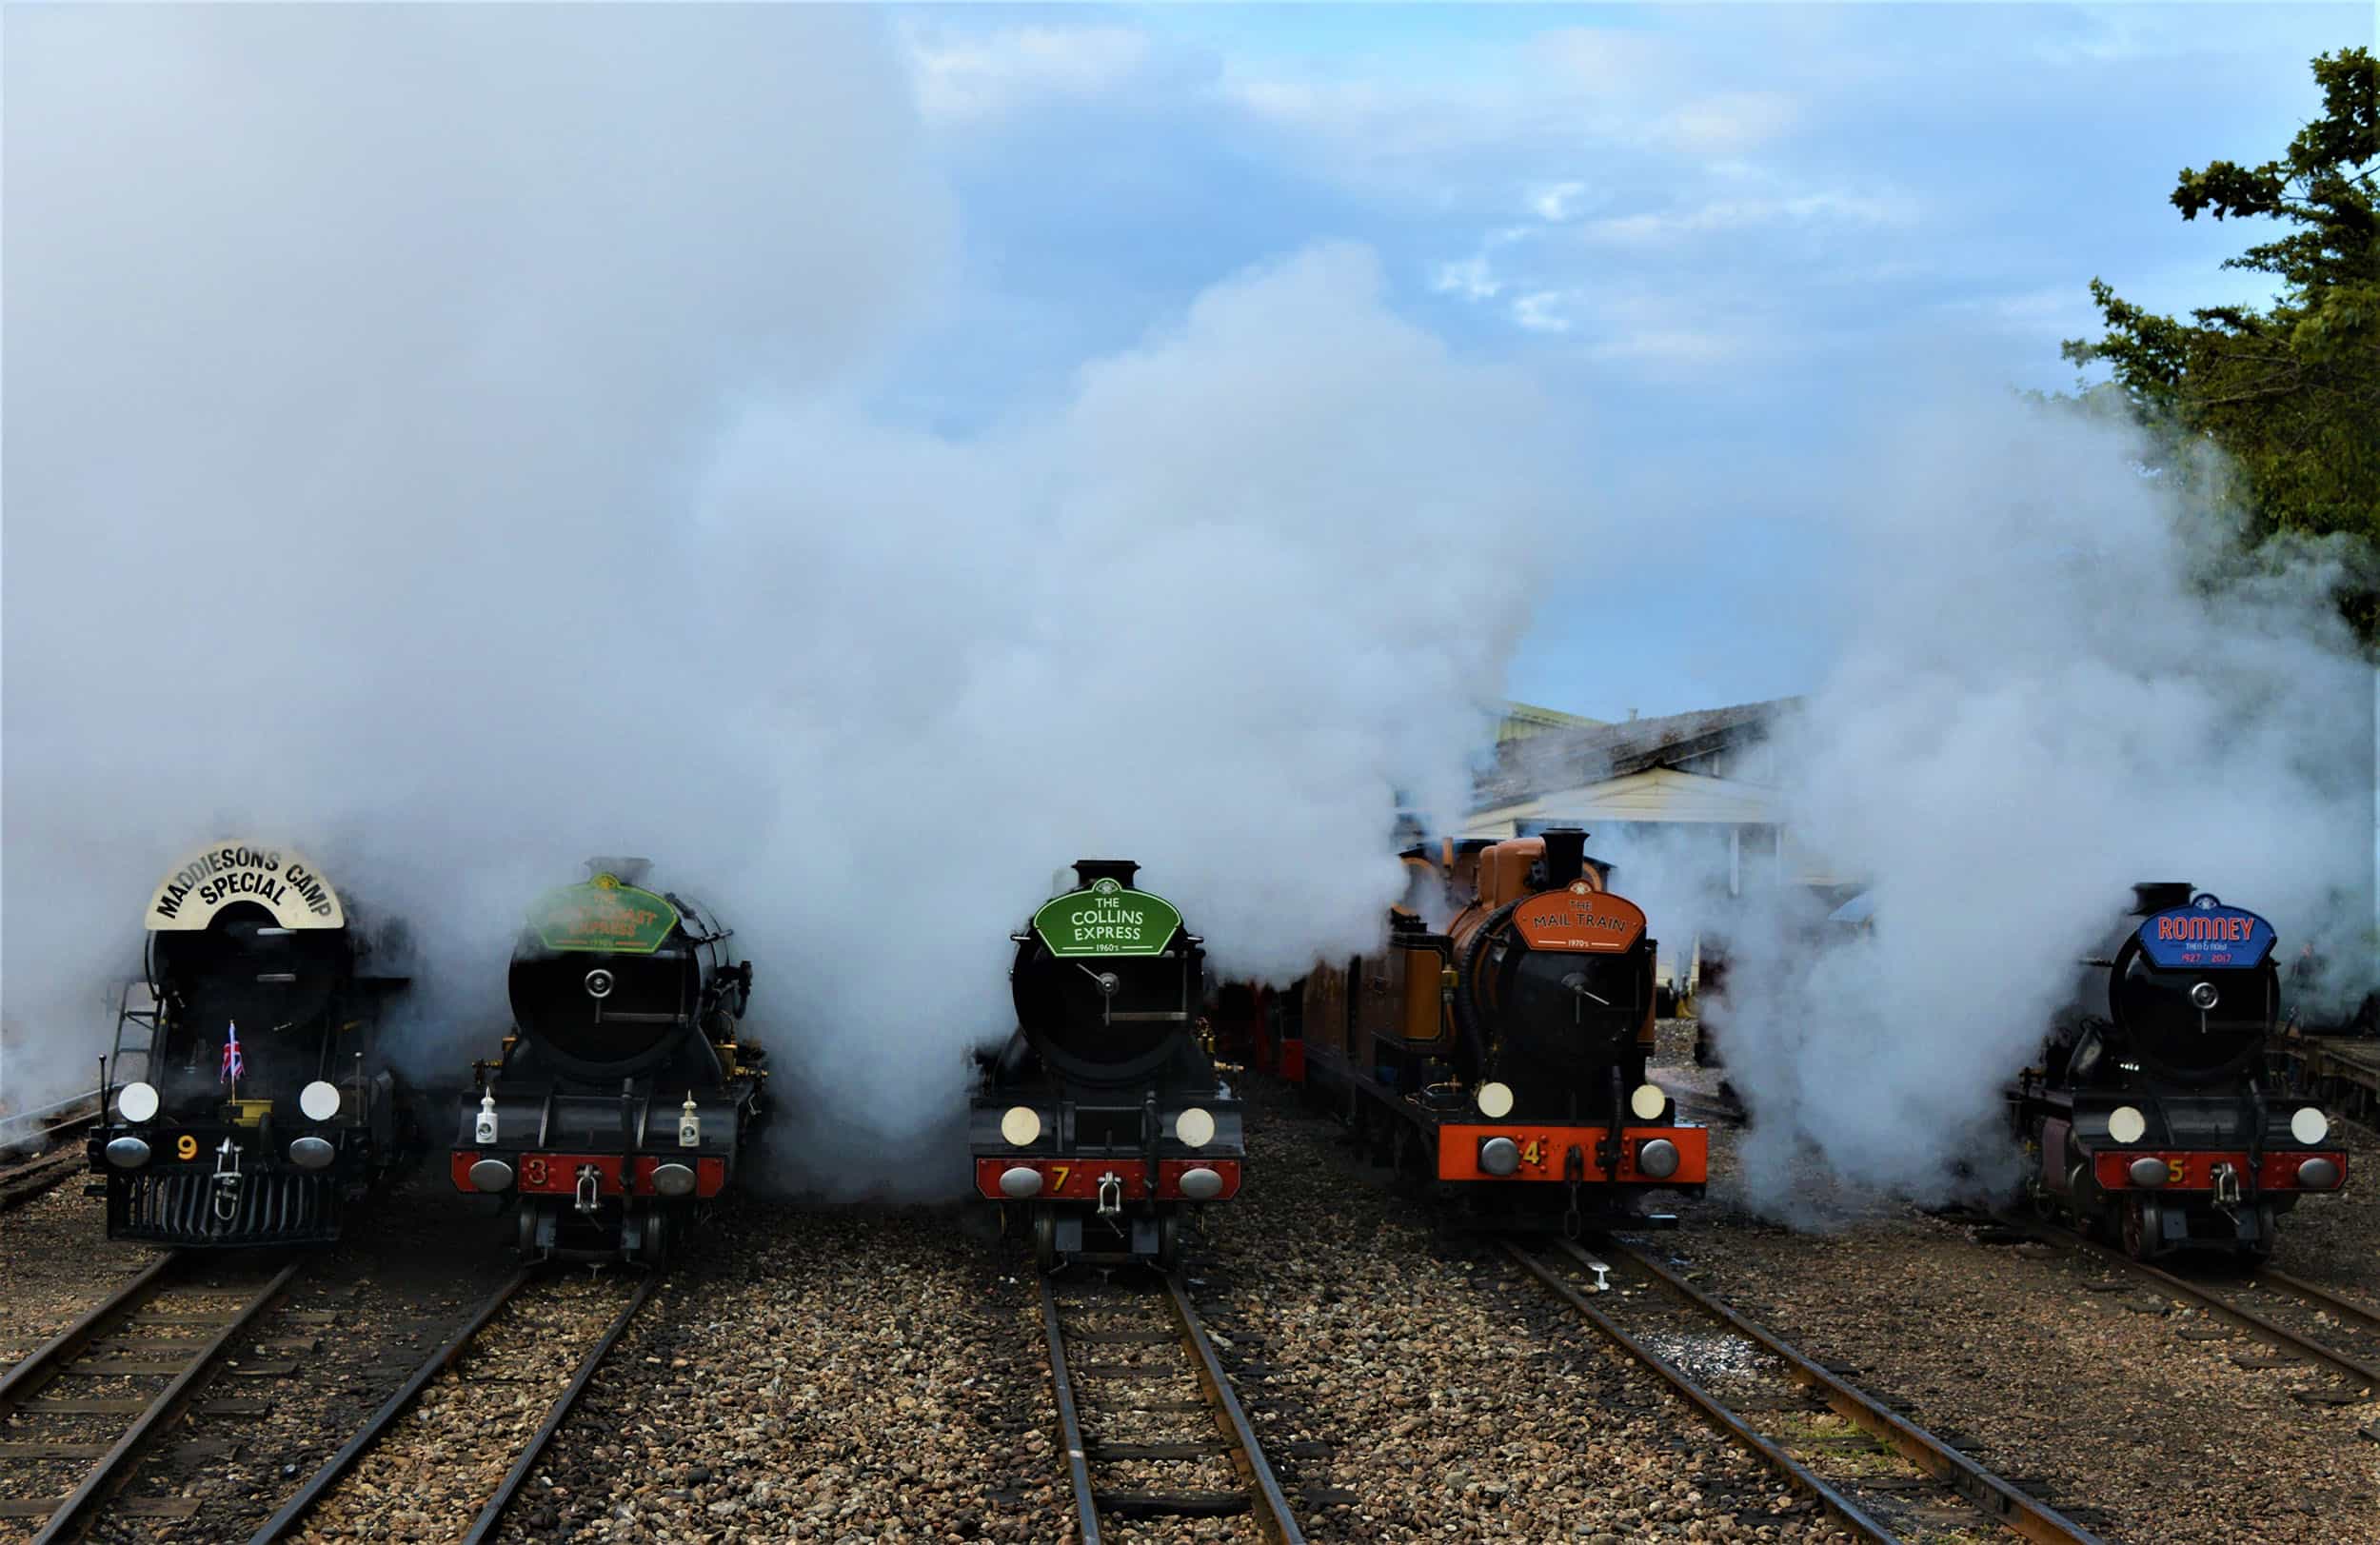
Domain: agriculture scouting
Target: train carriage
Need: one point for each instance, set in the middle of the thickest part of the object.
(1102, 1123)
(1502, 1061)
(247, 1099)
(624, 1100)
(2150, 1114)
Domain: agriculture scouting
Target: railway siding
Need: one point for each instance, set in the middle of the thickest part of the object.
(458, 1437)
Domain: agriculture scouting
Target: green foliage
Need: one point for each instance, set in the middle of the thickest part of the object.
(2290, 394)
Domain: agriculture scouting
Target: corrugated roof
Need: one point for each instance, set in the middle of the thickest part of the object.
(1526, 721)
(1556, 759)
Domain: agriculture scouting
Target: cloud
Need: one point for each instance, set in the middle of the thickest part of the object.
(1469, 278)
(1556, 202)
(1541, 311)
(970, 77)
(1730, 122)
(1823, 208)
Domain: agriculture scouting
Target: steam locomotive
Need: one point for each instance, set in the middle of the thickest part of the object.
(249, 1103)
(1102, 1120)
(2149, 1111)
(623, 999)
(1502, 1061)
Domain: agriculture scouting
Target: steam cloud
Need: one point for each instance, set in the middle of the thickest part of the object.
(440, 439)
(2058, 679)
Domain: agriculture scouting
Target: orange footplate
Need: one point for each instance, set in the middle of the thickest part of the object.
(1545, 1152)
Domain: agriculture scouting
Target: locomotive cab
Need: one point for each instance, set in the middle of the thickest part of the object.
(246, 1097)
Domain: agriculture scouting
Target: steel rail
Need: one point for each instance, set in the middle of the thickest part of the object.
(317, 1485)
(34, 1178)
(67, 1519)
(485, 1525)
(2279, 1338)
(62, 1347)
(29, 1118)
(1271, 1505)
(1069, 1421)
(2008, 1506)
(2319, 1298)
(1846, 1512)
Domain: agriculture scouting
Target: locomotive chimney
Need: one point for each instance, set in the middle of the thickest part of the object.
(1119, 870)
(625, 870)
(1565, 855)
(2159, 896)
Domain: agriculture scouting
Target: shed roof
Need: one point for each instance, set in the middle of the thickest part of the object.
(1598, 753)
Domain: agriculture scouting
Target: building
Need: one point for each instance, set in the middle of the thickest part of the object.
(1690, 807)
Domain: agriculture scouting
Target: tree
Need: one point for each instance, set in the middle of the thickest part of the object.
(2290, 394)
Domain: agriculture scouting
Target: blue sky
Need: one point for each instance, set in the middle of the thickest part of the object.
(1729, 236)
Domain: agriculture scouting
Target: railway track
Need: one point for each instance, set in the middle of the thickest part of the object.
(57, 1131)
(1882, 1477)
(78, 1411)
(2297, 1319)
(320, 1489)
(1134, 1372)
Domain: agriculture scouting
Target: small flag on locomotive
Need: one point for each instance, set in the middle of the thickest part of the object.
(2150, 1116)
(1502, 1061)
(1102, 1122)
(623, 1101)
(213, 1141)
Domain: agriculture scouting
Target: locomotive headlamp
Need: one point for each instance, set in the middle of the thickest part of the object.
(1495, 1101)
(1647, 1102)
(137, 1101)
(2126, 1125)
(319, 1101)
(1020, 1125)
(1194, 1128)
(2310, 1125)
(2204, 995)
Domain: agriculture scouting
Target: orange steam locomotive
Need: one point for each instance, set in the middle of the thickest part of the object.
(1500, 1056)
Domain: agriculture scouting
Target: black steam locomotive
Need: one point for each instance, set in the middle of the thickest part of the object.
(623, 1098)
(1503, 1060)
(247, 1099)
(1103, 1118)
(2150, 1110)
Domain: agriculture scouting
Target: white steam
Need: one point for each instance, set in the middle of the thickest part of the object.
(437, 439)
(2055, 685)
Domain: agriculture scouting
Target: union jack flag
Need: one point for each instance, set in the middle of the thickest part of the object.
(232, 1066)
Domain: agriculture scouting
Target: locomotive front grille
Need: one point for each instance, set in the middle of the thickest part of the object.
(181, 1209)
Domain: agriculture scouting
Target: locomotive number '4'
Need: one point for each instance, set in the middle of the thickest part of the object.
(1534, 1154)
(533, 1171)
